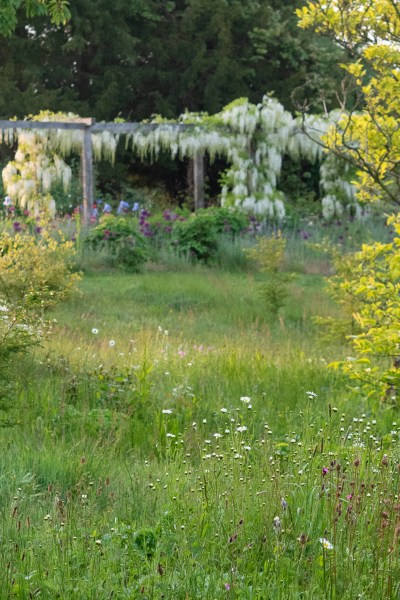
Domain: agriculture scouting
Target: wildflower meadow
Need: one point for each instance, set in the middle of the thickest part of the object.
(170, 438)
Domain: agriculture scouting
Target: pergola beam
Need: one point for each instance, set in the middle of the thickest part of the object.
(94, 127)
(89, 126)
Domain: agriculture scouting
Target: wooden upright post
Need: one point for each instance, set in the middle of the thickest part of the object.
(198, 180)
(87, 173)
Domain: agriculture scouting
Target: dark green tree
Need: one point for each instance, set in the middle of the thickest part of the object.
(134, 58)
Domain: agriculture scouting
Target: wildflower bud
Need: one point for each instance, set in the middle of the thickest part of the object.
(277, 524)
(385, 460)
(303, 539)
(357, 462)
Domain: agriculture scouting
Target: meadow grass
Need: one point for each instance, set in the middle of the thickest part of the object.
(170, 441)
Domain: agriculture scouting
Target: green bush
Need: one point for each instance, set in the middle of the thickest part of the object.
(229, 221)
(120, 236)
(196, 237)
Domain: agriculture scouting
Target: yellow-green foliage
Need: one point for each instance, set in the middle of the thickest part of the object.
(338, 327)
(370, 282)
(35, 270)
(35, 273)
(370, 138)
(268, 255)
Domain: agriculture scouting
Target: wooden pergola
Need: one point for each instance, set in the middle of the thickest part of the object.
(89, 126)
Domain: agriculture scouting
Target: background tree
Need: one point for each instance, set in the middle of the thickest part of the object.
(136, 58)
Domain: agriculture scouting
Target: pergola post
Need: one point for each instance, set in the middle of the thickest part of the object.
(198, 180)
(87, 172)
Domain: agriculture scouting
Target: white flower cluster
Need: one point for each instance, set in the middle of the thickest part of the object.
(252, 137)
(339, 192)
(38, 163)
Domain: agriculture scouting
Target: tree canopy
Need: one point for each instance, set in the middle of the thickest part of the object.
(134, 58)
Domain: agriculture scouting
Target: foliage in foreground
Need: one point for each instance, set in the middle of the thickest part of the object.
(367, 284)
(35, 274)
(57, 10)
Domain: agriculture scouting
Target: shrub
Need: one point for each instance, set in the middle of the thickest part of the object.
(35, 270)
(196, 237)
(229, 220)
(159, 226)
(268, 254)
(120, 235)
